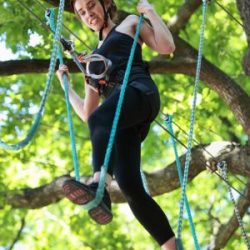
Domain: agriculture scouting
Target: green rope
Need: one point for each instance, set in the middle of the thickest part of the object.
(51, 21)
(100, 190)
(179, 169)
(192, 120)
(31, 133)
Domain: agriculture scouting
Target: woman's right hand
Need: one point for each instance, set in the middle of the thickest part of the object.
(63, 69)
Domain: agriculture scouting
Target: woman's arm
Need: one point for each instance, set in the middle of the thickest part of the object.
(157, 37)
(83, 107)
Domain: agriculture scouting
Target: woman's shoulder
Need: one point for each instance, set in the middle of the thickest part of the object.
(128, 25)
(131, 19)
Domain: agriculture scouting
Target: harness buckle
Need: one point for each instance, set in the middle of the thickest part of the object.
(103, 82)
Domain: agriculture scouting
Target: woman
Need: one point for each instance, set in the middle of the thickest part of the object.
(141, 105)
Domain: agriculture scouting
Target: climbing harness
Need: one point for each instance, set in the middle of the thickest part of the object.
(100, 81)
(87, 60)
(222, 167)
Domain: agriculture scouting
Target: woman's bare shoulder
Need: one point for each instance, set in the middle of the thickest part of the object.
(127, 26)
(130, 20)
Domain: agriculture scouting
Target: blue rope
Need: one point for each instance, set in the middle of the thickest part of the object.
(31, 133)
(71, 127)
(179, 169)
(100, 190)
(192, 120)
(51, 21)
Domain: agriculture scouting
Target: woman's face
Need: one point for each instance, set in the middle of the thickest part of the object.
(91, 13)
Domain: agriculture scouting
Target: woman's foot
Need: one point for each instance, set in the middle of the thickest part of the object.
(81, 194)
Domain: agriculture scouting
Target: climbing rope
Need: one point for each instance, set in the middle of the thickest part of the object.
(192, 120)
(50, 16)
(168, 120)
(222, 166)
(37, 120)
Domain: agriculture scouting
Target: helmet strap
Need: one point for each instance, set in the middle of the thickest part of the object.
(106, 16)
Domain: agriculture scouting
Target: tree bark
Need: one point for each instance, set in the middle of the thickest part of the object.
(227, 230)
(244, 10)
(179, 21)
(236, 156)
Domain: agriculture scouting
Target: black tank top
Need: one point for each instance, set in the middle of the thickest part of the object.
(117, 47)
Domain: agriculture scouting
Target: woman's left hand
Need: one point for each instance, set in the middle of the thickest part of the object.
(144, 6)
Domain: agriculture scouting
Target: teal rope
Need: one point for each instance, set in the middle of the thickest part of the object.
(51, 21)
(100, 190)
(192, 120)
(179, 169)
(31, 133)
(71, 128)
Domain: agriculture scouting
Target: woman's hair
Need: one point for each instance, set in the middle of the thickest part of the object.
(111, 11)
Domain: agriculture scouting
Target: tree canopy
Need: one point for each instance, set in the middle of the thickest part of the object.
(33, 211)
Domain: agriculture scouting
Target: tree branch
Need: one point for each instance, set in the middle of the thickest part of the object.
(185, 12)
(226, 231)
(184, 62)
(19, 233)
(236, 156)
(230, 92)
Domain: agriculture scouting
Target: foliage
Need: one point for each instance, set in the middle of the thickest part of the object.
(64, 226)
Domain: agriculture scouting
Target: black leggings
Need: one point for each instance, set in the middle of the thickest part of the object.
(138, 111)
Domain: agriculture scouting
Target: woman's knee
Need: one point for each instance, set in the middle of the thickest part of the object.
(100, 118)
(131, 191)
(96, 124)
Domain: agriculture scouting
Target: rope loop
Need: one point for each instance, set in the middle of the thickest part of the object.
(31, 133)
